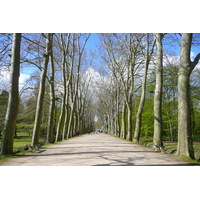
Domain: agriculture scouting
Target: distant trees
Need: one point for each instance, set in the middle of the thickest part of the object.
(173, 114)
(123, 59)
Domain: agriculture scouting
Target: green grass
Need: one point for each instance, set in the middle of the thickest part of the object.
(190, 160)
(22, 140)
(171, 146)
(6, 157)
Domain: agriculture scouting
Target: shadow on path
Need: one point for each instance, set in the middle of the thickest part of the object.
(81, 153)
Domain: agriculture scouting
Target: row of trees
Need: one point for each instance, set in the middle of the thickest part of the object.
(60, 89)
(137, 74)
(60, 99)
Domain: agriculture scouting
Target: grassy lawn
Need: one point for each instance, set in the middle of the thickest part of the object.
(22, 139)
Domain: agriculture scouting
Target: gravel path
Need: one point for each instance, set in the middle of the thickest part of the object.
(94, 150)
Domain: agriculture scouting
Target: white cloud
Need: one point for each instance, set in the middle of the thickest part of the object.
(23, 78)
(192, 55)
(93, 77)
(5, 78)
(169, 59)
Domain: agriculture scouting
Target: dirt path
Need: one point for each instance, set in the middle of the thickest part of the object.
(94, 150)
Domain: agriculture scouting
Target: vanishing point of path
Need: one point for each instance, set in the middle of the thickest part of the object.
(94, 150)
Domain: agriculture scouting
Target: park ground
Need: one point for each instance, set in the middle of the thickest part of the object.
(95, 150)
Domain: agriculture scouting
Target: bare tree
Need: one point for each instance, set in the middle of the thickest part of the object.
(147, 58)
(64, 50)
(122, 54)
(75, 81)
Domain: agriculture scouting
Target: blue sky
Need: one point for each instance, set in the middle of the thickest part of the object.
(93, 41)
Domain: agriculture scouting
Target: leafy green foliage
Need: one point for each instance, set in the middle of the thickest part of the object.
(169, 106)
(3, 106)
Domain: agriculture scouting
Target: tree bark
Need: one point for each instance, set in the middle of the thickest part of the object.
(157, 138)
(117, 133)
(123, 126)
(64, 78)
(64, 135)
(185, 142)
(13, 101)
(39, 108)
(142, 99)
(51, 119)
(147, 58)
(129, 120)
(63, 107)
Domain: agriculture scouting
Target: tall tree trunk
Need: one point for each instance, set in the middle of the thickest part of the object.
(69, 128)
(63, 107)
(117, 113)
(64, 75)
(50, 128)
(147, 58)
(123, 126)
(39, 108)
(157, 138)
(13, 101)
(185, 146)
(64, 135)
(129, 120)
(108, 123)
(116, 118)
(131, 86)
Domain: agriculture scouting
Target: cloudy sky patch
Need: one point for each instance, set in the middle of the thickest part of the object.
(5, 77)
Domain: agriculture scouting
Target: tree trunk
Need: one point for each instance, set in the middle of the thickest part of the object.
(142, 99)
(157, 138)
(184, 121)
(129, 120)
(117, 112)
(64, 135)
(185, 143)
(13, 101)
(63, 107)
(64, 79)
(123, 126)
(69, 129)
(51, 119)
(38, 115)
(130, 95)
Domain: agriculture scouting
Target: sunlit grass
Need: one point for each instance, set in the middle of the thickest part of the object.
(171, 146)
(22, 139)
